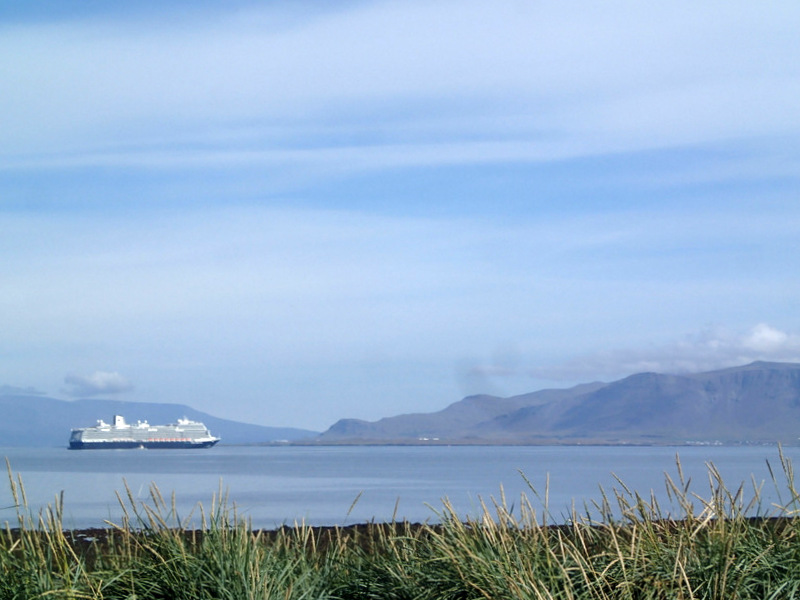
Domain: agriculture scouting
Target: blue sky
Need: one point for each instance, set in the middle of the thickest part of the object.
(291, 212)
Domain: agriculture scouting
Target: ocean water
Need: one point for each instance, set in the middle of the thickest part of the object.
(273, 486)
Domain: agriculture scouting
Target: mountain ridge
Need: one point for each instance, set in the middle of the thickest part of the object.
(754, 403)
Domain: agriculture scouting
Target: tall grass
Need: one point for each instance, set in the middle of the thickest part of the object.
(724, 544)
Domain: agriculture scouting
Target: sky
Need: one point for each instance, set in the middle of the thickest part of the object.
(287, 213)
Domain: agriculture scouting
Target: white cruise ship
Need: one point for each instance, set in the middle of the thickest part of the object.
(183, 434)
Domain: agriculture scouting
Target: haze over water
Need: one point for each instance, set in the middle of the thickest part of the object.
(317, 485)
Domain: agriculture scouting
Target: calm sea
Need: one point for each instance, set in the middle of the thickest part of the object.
(319, 485)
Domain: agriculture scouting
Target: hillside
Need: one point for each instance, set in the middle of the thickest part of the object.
(40, 421)
(755, 403)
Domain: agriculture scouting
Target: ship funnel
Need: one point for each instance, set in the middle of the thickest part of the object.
(119, 421)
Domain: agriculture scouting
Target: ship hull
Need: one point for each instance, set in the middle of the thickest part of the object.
(132, 444)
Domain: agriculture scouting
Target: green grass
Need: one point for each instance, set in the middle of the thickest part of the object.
(722, 545)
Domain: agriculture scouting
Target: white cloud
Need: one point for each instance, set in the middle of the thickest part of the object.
(708, 350)
(96, 384)
(766, 339)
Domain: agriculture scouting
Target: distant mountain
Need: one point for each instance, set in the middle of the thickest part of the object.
(29, 420)
(756, 403)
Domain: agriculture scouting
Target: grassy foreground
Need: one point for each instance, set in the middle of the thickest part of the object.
(623, 546)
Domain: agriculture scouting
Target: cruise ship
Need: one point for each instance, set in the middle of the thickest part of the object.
(183, 434)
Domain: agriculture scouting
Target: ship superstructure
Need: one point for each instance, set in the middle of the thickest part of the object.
(183, 434)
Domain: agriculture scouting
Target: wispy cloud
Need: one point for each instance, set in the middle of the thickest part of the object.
(12, 390)
(348, 276)
(629, 79)
(97, 384)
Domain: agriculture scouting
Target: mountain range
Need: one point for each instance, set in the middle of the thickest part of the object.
(31, 420)
(756, 403)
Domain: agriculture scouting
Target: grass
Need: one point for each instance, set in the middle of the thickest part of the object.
(721, 545)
